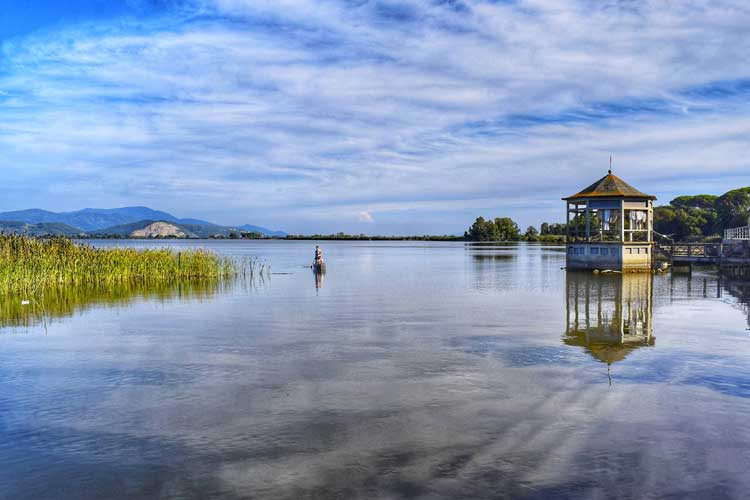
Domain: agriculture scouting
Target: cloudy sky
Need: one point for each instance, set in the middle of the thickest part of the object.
(369, 116)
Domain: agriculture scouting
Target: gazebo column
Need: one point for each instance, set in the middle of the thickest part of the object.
(588, 222)
(650, 221)
(622, 221)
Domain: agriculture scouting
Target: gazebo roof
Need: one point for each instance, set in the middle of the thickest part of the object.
(607, 351)
(610, 186)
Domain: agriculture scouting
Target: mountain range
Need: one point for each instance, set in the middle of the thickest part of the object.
(112, 222)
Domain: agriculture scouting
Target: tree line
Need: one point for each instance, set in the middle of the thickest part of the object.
(703, 216)
(685, 218)
(506, 229)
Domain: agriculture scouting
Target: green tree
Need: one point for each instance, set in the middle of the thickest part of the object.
(499, 229)
(481, 230)
(557, 228)
(506, 229)
(684, 223)
(704, 201)
(252, 235)
(531, 234)
(733, 209)
(664, 221)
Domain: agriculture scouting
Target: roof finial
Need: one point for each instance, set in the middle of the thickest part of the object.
(610, 164)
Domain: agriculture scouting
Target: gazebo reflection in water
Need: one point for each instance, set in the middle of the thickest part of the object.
(609, 315)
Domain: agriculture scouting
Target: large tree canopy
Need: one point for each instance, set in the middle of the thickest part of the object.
(500, 229)
(733, 208)
(703, 215)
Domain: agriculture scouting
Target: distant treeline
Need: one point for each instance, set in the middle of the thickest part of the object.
(686, 218)
(232, 235)
(703, 216)
(365, 237)
(506, 229)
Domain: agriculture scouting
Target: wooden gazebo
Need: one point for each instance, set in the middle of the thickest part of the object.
(610, 226)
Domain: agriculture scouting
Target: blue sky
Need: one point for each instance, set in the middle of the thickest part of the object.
(380, 117)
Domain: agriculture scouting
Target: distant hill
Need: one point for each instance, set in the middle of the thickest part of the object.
(101, 220)
(262, 230)
(88, 219)
(40, 229)
(139, 230)
(160, 230)
(157, 228)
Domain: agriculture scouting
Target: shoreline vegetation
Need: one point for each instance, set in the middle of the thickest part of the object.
(545, 238)
(693, 218)
(30, 265)
(538, 238)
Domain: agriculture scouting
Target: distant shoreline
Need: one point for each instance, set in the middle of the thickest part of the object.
(544, 239)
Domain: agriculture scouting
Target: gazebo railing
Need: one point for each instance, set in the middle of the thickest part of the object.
(737, 233)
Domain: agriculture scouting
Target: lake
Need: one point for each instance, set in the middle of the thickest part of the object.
(409, 370)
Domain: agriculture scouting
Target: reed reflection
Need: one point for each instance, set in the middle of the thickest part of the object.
(609, 315)
(65, 301)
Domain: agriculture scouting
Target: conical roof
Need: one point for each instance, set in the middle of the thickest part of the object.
(610, 186)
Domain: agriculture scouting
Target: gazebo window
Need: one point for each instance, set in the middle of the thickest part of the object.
(636, 225)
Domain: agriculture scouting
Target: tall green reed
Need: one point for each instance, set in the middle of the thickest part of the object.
(30, 265)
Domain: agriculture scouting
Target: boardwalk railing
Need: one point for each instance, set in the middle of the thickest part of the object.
(737, 233)
(728, 252)
(697, 251)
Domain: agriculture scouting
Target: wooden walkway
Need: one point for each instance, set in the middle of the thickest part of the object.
(734, 251)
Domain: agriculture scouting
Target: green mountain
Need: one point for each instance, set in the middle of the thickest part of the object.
(100, 220)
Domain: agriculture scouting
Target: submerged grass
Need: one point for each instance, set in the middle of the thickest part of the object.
(31, 265)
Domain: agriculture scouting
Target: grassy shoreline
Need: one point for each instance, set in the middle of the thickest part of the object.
(28, 264)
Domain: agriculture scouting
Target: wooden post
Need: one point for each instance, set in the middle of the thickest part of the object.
(671, 256)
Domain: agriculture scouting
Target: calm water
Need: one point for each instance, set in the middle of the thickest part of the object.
(410, 370)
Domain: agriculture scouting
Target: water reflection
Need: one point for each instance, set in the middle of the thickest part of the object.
(65, 301)
(394, 383)
(740, 290)
(318, 279)
(609, 315)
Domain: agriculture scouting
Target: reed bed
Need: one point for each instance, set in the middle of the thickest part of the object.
(30, 265)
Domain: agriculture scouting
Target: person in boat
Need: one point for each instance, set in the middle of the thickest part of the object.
(318, 256)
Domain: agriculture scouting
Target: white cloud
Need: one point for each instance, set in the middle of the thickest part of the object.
(365, 216)
(299, 107)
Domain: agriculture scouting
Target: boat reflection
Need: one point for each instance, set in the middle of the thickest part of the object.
(65, 301)
(609, 315)
(318, 279)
